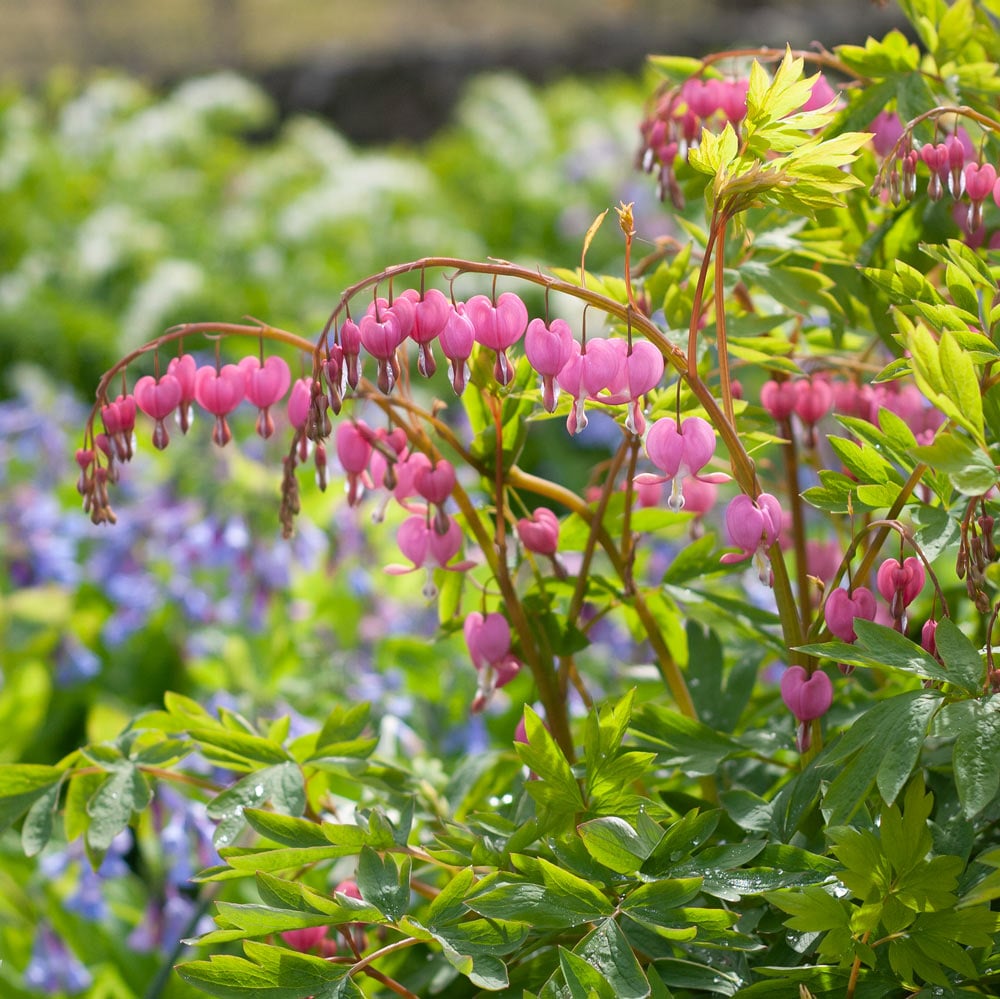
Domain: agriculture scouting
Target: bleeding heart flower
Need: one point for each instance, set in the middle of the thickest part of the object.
(753, 525)
(119, 422)
(220, 392)
(184, 369)
(540, 532)
(815, 398)
(426, 548)
(591, 368)
(305, 940)
(488, 641)
(266, 384)
(498, 327)
(430, 315)
(158, 398)
(381, 337)
(928, 636)
(643, 371)
(680, 452)
(350, 344)
(807, 696)
(548, 348)
(842, 608)
(434, 481)
(900, 584)
(354, 451)
(456, 339)
(779, 398)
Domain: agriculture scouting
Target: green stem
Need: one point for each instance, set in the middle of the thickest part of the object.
(791, 453)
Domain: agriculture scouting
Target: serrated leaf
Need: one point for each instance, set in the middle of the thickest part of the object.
(282, 785)
(556, 786)
(962, 383)
(111, 805)
(606, 949)
(653, 902)
(611, 841)
(21, 785)
(275, 972)
(383, 884)
(977, 778)
(544, 895)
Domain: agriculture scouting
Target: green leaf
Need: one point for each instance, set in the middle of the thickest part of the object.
(237, 749)
(21, 785)
(282, 785)
(556, 787)
(681, 741)
(653, 902)
(961, 383)
(383, 884)
(342, 725)
(544, 896)
(245, 862)
(904, 283)
(682, 839)
(969, 468)
(676, 68)
(863, 461)
(606, 949)
(611, 841)
(285, 829)
(238, 921)
(888, 56)
(38, 823)
(881, 747)
(813, 909)
(110, 807)
(681, 974)
(275, 972)
(37, 828)
(961, 658)
(881, 647)
(583, 980)
(448, 905)
(977, 777)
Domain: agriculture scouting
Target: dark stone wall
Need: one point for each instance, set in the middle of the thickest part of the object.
(409, 93)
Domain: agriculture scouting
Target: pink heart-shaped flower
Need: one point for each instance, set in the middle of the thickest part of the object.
(266, 383)
(158, 398)
(219, 392)
(842, 608)
(435, 482)
(807, 697)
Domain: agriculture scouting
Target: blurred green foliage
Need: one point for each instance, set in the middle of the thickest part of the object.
(126, 211)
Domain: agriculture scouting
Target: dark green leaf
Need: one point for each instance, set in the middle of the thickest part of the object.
(606, 949)
(383, 884)
(977, 776)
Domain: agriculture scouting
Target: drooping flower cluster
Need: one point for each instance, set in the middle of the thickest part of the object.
(954, 168)
(675, 125)
(612, 371)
